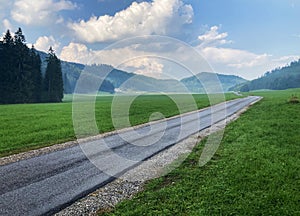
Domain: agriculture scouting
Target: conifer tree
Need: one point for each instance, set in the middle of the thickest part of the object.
(53, 83)
(7, 76)
(20, 70)
(21, 91)
(36, 75)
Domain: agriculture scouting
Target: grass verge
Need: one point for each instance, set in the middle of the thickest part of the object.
(254, 172)
(30, 126)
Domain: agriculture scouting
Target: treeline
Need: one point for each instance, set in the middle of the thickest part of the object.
(277, 79)
(21, 79)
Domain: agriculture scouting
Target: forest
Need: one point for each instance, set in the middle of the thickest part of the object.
(277, 79)
(21, 79)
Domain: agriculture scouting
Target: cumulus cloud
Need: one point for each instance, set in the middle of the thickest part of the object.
(78, 53)
(31, 12)
(145, 66)
(211, 48)
(233, 57)
(236, 61)
(145, 18)
(143, 57)
(213, 38)
(43, 43)
(122, 58)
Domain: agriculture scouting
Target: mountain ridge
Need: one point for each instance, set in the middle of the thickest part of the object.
(123, 81)
(278, 79)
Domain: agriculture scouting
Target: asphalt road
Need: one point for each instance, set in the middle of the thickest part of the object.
(45, 184)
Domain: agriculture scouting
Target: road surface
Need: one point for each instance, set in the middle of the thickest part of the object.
(45, 184)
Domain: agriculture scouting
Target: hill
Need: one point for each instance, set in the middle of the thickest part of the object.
(71, 72)
(194, 83)
(122, 81)
(131, 82)
(278, 79)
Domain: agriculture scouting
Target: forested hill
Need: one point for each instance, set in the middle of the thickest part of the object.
(194, 83)
(278, 79)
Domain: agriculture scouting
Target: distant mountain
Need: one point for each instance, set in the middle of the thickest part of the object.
(113, 78)
(72, 71)
(122, 81)
(130, 82)
(278, 79)
(195, 83)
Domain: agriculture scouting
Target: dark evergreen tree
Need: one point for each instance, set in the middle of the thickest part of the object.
(36, 75)
(7, 76)
(2, 73)
(8, 39)
(53, 83)
(20, 70)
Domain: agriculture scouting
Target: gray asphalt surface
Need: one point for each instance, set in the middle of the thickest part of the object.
(45, 184)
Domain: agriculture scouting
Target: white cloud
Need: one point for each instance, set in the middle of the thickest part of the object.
(78, 53)
(7, 24)
(4, 12)
(233, 57)
(43, 43)
(236, 61)
(211, 48)
(162, 57)
(145, 66)
(32, 12)
(289, 58)
(145, 18)
(213, 38)
(243, 63)
(159, 57)
(123, 58)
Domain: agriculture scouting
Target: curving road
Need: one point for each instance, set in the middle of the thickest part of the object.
(45, 184)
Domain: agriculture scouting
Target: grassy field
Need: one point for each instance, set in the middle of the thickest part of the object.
(256, 170)
(29, 126)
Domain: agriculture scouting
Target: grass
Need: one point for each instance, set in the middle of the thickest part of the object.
(294, 99)
(30, 126)
(254, 172)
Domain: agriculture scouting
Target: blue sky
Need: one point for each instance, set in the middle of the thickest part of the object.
(241, 37)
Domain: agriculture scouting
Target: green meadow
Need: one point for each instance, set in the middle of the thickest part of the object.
(256, 170)
(30, 126)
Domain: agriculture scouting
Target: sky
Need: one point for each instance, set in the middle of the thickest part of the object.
(163, 38)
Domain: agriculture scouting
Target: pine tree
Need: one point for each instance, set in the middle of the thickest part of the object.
(20, 70)
(7, 78)
(22, 84)
(8, 39)
(36, 76)
(53, 83)
(2, 73)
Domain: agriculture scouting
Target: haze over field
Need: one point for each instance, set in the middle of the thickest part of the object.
(243, 38)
